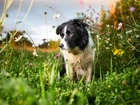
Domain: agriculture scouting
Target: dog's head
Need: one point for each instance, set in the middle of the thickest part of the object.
(73, 34)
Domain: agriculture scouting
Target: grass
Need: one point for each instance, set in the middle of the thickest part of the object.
(26, 79)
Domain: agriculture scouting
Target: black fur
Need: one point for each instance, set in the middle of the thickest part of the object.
(63, 70)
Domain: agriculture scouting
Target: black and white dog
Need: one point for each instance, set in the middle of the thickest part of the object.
(77, 48)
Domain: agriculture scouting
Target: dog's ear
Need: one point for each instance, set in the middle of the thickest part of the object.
(60, 27)
(79, 22)
(58, 30)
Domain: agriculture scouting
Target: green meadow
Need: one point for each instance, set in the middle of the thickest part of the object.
(33, 77)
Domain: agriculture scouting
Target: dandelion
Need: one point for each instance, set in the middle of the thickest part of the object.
(131, 9)
(118, 52)
(55, 16)
(57, 56)
(30, 64)
(119, 26)
(18, 38)
(35, 53)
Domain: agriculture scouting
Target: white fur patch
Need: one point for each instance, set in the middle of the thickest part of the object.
(65, 47)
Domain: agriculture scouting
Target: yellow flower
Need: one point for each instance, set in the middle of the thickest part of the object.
(118, 52)
(46, 66)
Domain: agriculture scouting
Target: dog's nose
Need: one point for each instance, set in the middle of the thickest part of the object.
(61, 45)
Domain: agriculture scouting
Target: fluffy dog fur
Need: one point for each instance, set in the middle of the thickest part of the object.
(77, 48)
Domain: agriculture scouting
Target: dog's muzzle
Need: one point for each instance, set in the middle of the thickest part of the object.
(61, 45)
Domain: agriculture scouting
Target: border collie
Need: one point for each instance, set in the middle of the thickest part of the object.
(77, 48)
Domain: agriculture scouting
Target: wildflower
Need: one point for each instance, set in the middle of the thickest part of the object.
(44, 39)
(55, 16)
(103, 33)
(107, 48)
(33, 46)
(18, 38)
(108, 86)
(107, 26)
(39, 45)
(119, 26)
(131, 9)
(107, 40)
(53, 26)
(35, 53)
(118, 52)
(124, 82)
(23, 31)
(7, 15)
(96, 18)
(82, 2)
(30, 64)
(128, 32)
(45, 13)
(57, 56)
(137, 36)
(46, 66)
(19, 22)
(97, 36)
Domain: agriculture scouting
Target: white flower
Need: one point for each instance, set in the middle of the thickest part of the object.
(107, 48)
(119, 26)
(35, 53)
(107, 26)
(55, 16)
(33, 46)
(128, 32)
(97, 36)
(17, 38)
(137, 36)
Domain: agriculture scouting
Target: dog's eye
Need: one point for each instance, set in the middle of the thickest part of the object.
(62, 35)
(69, 33)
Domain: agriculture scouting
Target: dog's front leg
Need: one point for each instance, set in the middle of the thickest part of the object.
(89, 72)
(70, 72)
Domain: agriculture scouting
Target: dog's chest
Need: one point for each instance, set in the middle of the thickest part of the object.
(79, 61)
